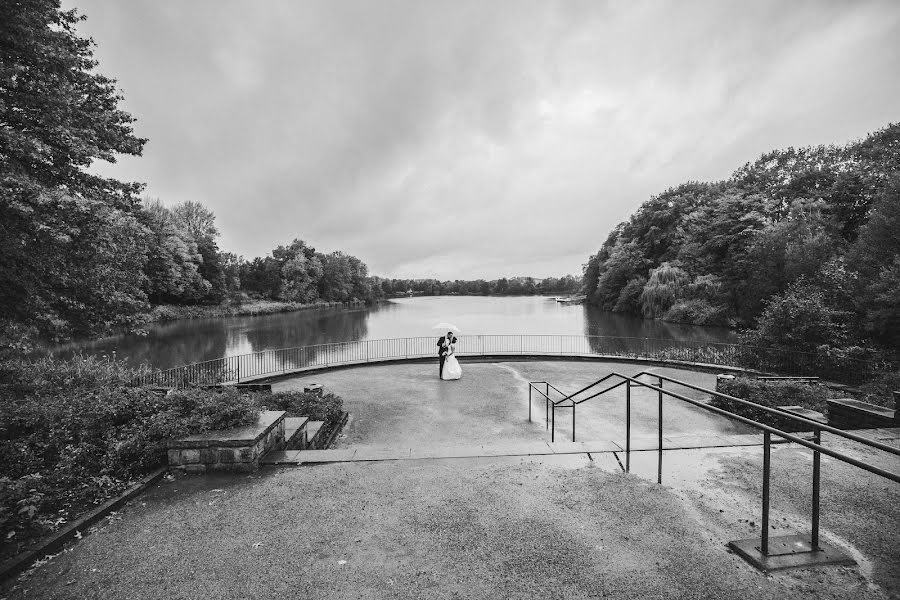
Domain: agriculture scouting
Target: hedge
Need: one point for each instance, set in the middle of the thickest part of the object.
(772, 394)
(76, 432)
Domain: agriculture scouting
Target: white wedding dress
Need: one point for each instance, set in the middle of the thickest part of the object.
(452, 370)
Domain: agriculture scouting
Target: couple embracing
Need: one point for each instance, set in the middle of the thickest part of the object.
(449, 366)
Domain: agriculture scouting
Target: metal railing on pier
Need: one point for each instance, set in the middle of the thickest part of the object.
(235, 369)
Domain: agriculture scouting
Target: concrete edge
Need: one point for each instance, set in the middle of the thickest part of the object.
(495, 358)
(337, 431)
(48, 545)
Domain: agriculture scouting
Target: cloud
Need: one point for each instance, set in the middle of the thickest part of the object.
(470, 139)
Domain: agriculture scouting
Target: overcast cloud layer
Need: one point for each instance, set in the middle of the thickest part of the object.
(476, 139)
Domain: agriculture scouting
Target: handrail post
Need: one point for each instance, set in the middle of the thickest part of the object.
(573, 421)
(628, 425)
(529, 403)
(659, 468)
(764, 542)
(814, 542)
(553, 423)
(660, 415)
(547, 412)
(239, 369)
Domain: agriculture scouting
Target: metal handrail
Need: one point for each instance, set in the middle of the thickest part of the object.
(283, 360)
(767, 430)
(778, 412)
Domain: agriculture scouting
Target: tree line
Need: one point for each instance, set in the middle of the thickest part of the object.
(801, 248)
(513, 286)
(185, 266)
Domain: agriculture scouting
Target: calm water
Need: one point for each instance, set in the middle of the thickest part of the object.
(189, 341)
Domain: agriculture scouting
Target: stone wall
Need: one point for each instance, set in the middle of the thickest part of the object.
(236, 449)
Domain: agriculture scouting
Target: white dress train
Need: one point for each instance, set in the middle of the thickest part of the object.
(452, 370)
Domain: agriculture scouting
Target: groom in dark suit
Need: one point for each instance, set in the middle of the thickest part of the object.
(443, 344)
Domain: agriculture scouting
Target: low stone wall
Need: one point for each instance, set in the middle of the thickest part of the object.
(237, 449)
(848, 413)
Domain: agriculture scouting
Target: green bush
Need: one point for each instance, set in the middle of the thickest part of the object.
(879, 390)
(697, 311)
(73, 433)
(327, 407)
(771, 394)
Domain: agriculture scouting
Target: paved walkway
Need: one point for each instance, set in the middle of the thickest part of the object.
(406, 405)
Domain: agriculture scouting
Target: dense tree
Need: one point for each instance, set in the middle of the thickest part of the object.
(819, 221)
(173, 260)
(300, 270)
(199, 222)
(58, 115)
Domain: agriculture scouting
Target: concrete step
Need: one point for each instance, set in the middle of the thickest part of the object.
(296, 435)
(312, 434)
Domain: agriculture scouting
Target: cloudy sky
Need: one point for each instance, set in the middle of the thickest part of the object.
(458, 139)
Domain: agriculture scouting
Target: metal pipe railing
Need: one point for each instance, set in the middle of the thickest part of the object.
(270, 362)
(767, 430)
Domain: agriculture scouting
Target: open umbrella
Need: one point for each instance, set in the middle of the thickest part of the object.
(446, 327)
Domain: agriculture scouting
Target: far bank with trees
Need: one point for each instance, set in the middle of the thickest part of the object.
(800, 248)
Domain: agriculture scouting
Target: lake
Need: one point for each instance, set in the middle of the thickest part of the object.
(188, 341)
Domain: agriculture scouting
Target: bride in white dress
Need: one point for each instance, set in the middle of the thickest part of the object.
(452, 370)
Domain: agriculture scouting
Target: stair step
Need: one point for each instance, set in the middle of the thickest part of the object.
(296, 434)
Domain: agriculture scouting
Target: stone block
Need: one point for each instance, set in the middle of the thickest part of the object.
(247, 455)
(209, 456)
(175, 457)
(190, 456)
(227, 455)
(195, 469)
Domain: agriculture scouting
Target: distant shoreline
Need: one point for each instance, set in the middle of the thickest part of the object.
(164, 313)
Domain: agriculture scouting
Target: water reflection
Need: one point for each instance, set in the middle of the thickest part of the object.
(190, 341)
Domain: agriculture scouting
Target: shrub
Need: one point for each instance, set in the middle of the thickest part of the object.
(771, 394)
(697, 312)
(73, 433)
(880, 389)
